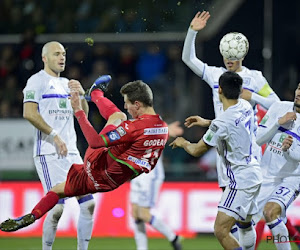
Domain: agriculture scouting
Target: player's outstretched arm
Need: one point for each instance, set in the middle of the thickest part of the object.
(194, 149)
(189, 53)
(265, 101)
(196, 120)
(93, 138)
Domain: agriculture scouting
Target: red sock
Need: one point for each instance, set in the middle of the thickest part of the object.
(259, 232)
(45, 204)
(293, 232)
(106, 107)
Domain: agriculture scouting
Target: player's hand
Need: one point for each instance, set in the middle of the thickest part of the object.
(60, 146)
(75, 101)
(287, 143)
(288, 117)
(196, 120)
(175, 129)
(246, 94)
(178, 142)
(199, 21)
(75, 85)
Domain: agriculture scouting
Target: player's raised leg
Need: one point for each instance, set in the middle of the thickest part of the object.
(44, 205)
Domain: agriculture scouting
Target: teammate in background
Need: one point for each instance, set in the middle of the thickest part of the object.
(280, 165)
(238, 202)
(48, 109)
(122, 150)
(144, 192)
(256, 89)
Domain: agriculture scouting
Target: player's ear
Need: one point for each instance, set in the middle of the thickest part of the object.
(137, 105)
(220, 90)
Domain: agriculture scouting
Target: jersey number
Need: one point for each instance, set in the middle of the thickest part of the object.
(283, 190)
(151, 155)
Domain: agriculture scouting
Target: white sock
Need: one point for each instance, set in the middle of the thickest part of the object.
(50, 226)
(140, 235)
(280, 234)
(235, 232)
(163, 228)
(247, 236)
(85, 222)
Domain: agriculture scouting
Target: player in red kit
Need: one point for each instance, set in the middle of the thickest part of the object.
(121, 151)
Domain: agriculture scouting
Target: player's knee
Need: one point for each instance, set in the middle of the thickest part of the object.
(57, 212)
(271, 211)
(87, 207)
(220, 231)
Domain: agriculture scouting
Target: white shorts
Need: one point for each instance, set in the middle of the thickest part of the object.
(53, 170)
(240, 204)
(144, 190)
(281, 191)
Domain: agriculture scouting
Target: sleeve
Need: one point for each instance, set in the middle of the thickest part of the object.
(265, 95)
(195, 64)
(189, 53)
(292, 154)
(122, 134)
(216, 132)
(33, 90)
(268, 126)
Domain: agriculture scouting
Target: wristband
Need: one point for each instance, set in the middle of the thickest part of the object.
(53, 133)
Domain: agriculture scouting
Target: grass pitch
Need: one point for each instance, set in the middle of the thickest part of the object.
(203, 242)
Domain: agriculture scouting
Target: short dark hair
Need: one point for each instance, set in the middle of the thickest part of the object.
(138, 91)
(231, 84)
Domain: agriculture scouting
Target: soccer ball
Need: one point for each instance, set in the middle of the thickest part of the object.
(234, 46)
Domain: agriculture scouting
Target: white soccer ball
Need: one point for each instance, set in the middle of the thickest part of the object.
(234, 46)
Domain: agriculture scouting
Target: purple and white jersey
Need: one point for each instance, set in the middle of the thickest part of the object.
(232, 133)
(275, 163)
(51, 95)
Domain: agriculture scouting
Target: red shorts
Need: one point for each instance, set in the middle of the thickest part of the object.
(99, 173)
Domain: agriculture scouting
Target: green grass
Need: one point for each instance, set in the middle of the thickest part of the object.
(205, 242)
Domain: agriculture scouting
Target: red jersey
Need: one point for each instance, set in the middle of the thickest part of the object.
(135, 143)
(138, 143)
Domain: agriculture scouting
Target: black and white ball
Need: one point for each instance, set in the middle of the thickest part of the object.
(234, 46)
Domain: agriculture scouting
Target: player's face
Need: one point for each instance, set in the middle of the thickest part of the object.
(233, 66)
(131, 108)
(55, 59)
(297, 97)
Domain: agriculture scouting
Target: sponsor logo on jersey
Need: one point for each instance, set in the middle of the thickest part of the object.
(246, 80)
(139, 162)
(52, 87)
(209, 135)
(30, 94)
(156, 131)
(113, 135)
(282, 137)
(264, 120)
(63, 103)
(156, 142)
(121, 131)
